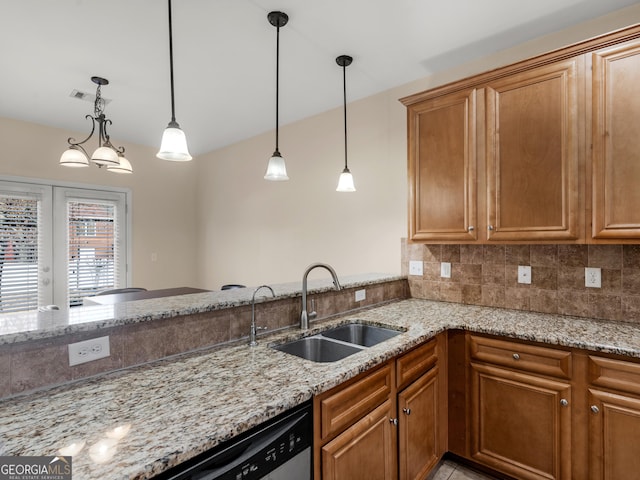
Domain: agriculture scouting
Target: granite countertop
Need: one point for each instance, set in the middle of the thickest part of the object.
(33, 325)
(173, 409)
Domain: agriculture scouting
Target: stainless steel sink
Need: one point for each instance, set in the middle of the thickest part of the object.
(361, 334)
(318, 349)
(338, 342)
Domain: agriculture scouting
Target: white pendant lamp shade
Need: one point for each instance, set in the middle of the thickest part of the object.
(276, 169)
(74, 157)
(174, 144)
(345, 182)
(124, 166)
(105, 156)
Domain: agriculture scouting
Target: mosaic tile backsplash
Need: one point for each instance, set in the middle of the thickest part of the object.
(488, 275)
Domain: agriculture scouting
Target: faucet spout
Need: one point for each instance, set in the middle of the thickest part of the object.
(305, 316)
(254, 329)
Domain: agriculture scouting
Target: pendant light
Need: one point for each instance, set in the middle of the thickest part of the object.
(174, 142)
(276, 168)
(345, 182)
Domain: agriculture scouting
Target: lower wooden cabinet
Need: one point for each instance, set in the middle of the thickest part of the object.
(520, 423)
(419, 443)
(386, 423)
(366, 450)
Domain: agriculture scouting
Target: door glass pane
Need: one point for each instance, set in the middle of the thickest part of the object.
(93, 251)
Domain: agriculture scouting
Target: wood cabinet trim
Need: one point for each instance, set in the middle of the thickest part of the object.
(475, 81)
(519, 356)
(341, 408)
(414, 363)
(614, 374)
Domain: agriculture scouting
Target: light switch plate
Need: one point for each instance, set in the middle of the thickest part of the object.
(415, 267)
(445, 270)
(524, 274)
(361, 295)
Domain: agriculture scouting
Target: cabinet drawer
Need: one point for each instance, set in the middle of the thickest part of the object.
(528, 358)
(340, 409)
(615, 374)
(414, 363)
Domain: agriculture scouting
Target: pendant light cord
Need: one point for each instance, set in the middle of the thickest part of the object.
(344, 83)
(173, 105)
(277, 80)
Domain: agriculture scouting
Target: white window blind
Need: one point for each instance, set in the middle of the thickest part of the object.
(93, 251)
(20, 237)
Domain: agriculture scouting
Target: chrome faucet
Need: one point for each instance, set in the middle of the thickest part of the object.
(254, 329)
(304, 316)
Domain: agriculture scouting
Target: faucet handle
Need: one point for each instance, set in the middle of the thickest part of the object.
(313, 314)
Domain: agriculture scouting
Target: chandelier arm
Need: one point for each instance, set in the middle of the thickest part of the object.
(72, 141)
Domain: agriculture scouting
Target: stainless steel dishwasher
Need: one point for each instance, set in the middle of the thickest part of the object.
(279, 449)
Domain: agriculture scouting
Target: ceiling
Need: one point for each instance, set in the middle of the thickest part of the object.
(224, 57)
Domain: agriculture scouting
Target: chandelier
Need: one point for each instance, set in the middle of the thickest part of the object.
(106, 155)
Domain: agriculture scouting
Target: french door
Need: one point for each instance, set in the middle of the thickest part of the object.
(59, 244)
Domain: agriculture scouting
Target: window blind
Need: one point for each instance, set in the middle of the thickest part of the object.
(20, 239)
(92, 264)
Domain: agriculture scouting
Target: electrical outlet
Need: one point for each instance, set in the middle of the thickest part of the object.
(88, 350)
(524, 274)
(592, 277)
(445, 270)
(361, 295)
(415, 267)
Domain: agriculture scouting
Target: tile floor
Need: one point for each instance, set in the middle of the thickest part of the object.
(449, 470)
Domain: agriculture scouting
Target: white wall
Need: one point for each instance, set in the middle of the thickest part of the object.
(254, 231)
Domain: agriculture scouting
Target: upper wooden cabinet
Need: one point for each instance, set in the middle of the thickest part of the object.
(616, 145)
(544, 150)
(532, 153)
(442, 168)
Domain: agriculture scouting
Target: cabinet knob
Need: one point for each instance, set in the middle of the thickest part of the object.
(564, 402)
(595, 409)
(393, 421)
(490, 227)
(407, 411)
(516, 356)
(471, 228)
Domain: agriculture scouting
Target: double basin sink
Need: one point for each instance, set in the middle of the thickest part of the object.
(338, 342)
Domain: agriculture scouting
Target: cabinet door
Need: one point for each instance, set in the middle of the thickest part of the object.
(366, 450)
(520, 423)
(418, 427)
(614, 436)
(616, 150)
(533, 120)
(442, 168)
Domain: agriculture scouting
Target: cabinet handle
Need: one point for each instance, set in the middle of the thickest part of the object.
(564, 402)
(490, 227)
(516, 356)
(595, 409)
(407, 411)
(471, 228)
(393, 421)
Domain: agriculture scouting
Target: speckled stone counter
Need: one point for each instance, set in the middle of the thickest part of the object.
(176, 408)
(33, 325)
